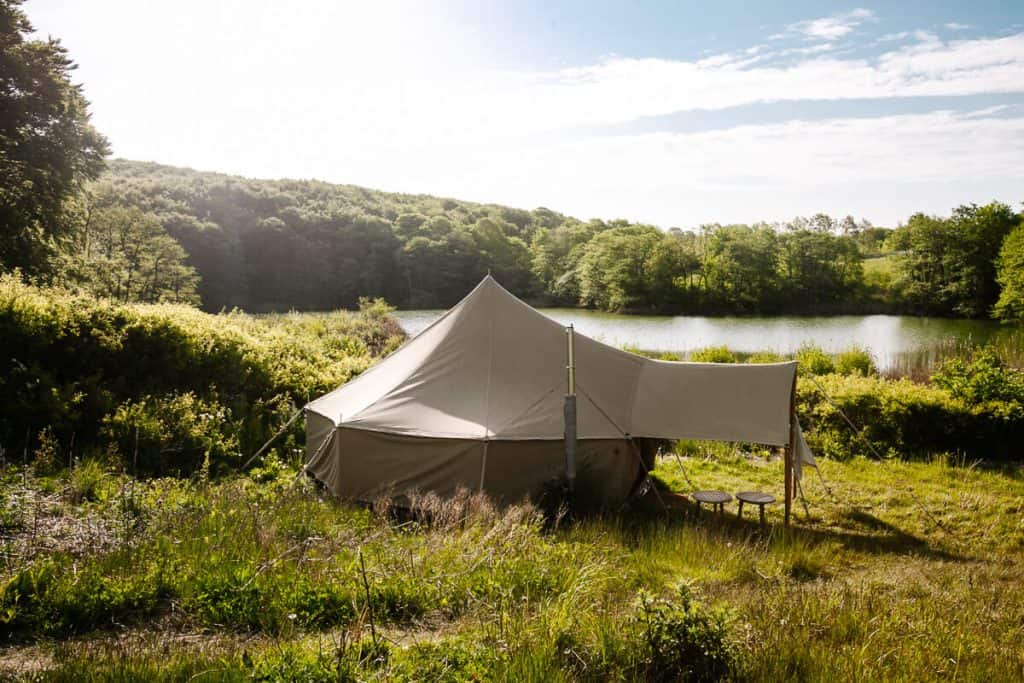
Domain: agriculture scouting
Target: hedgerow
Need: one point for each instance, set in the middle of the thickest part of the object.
(169, 386)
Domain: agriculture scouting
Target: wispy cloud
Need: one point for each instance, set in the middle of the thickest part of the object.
(830, 28)
(955, 26)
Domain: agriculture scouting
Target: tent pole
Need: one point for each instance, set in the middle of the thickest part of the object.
(790, 451)
(570, 415)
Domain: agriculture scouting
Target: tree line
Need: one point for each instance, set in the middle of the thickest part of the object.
(135, 231)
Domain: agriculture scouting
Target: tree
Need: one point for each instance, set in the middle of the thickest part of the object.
(124, 254)
(817, 265)
(1010, 275)
(949, 265)
(612, 269)
(739, 262)
(48, 149)
(670, 268)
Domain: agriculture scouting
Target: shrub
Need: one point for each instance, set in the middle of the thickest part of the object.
(175, 434)
(74, 360)
(814, 361)
(903, 418)
(86, 480)
(984, 378)
(855, 361)
(684, 640)
(713, 354)
(765, 357)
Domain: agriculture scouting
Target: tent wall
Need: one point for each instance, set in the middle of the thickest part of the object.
(362, 465)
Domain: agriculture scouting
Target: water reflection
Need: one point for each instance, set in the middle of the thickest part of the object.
(886, 336)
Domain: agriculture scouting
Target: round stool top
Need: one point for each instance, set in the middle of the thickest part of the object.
(756, 497)
(711, 496)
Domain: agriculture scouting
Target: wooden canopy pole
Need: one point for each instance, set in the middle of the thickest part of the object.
(790, 452)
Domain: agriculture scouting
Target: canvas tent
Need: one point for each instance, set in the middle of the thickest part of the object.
(476, 401)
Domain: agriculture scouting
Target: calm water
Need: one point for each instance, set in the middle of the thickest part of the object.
(886, 336)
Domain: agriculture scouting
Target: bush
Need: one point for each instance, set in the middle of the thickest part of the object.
(74, 361)
(902, 418)
(814, 361)
(684, 640)
(176, 434)
(982, 379)
(765, 357)
(855, 361)
(713, 354)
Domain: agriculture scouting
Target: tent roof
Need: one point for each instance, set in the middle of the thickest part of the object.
(493, 368)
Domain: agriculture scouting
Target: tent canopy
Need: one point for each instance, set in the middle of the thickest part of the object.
(493, 369)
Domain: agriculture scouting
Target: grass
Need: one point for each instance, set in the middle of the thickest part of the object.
(898, 571)
(920, 364)
(905, 571)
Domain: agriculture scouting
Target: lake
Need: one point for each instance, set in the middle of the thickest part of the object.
(886, 336)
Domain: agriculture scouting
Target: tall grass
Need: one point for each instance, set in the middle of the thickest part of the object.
(920, 364)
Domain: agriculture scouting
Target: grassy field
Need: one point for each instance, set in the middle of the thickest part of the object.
(904, 571)
(112, 570)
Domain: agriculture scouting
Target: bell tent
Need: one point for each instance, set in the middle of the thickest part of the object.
(476, 401)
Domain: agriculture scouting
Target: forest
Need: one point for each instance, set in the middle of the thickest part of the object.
(260, 245)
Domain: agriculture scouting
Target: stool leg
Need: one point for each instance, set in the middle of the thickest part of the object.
(739, 513)
(762, 515)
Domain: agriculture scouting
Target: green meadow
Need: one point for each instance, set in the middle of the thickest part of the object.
(135, 546)
(896, 571)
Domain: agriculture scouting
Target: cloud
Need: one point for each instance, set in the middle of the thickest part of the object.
(889, 37)
(876, 165)
(621, 90)
(954, 26)
(830, 28)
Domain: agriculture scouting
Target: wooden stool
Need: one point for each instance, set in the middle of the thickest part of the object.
(754, 498)
(716, 499)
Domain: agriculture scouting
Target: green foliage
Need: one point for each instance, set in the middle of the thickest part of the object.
(85, 481)
(611, 270)
(507, 599)
(713, 354)
(190, 384)
(985, 378)
(900, 418)
(51, 599)
(814, 361)
(47, 146)
(276, 245)
(855, 361)
(765, 357)
(949, 265)
(1010, 275)
(126, 255)
(174, 434)
(685, 641)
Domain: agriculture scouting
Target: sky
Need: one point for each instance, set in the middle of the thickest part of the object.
(672, 113)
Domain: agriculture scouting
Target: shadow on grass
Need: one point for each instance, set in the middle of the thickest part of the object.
(868, 533)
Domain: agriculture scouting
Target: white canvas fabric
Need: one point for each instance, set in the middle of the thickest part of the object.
(492, 368)
(802, 453)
